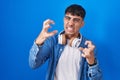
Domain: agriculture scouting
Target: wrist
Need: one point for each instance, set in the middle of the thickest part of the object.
(40, 40)
(94, 63)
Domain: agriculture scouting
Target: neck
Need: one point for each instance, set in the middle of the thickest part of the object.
(68, 36)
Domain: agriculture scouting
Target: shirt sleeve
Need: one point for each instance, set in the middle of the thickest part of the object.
(33, 53)
(40, 54)
(94, 72)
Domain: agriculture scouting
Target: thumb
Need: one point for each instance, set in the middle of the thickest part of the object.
(52, 33)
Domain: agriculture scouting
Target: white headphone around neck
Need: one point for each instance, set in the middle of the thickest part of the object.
(75, 42)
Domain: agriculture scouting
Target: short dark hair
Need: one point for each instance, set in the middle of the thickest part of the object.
(76, 9)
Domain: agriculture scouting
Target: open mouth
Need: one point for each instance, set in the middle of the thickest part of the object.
(70, 29)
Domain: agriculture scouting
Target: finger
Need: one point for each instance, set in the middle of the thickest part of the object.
(81, 48)
(46, 27)
(46, 24)
(52, 33)
(48, 21)
(88, 42)
(83, 55)
(90, 45)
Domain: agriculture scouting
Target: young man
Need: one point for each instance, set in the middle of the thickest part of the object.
(71, 56)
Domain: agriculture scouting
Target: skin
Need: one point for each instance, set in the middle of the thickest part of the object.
(72, 25)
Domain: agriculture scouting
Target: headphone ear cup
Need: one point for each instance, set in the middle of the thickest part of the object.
(59, 39)
(75, 42)
(62, 39)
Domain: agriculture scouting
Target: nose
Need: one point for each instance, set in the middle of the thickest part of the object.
(70, 22)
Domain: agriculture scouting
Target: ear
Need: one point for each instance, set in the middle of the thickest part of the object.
(82, 23)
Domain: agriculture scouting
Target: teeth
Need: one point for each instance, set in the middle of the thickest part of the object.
(70, 28)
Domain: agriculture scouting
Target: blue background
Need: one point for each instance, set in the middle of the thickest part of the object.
(21, 22)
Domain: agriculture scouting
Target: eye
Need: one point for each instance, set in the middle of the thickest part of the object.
(67, 18)
(76, 20)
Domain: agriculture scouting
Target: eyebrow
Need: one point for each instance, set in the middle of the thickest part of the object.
(71, 17)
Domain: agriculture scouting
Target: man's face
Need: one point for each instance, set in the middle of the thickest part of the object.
(72, 24)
